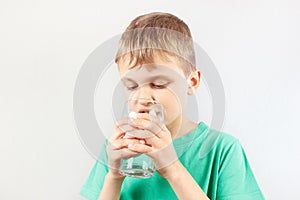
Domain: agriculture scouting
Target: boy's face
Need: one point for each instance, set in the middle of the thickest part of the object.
(161, 81)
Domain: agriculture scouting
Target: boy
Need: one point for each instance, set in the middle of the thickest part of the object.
(156, 62)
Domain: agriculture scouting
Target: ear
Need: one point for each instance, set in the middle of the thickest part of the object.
(193, 81)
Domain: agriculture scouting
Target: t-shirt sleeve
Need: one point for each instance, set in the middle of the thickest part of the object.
(236, 179)
(94, 183)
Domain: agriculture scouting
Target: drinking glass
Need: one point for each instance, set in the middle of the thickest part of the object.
(141, 166)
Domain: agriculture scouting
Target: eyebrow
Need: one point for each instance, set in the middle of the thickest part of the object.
(150, 78)
(127, 79)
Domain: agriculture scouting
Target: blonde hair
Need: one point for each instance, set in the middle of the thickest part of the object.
(158, 34)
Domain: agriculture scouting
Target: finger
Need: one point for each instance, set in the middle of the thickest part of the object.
(120, 129)
(125, 125)
(115, 157)
(140, 148)
(147, 125)
(123, 121)
(123, 143)
(127, 128)
(149, 117)
(154, 142)
(126, 153)
(118, 133)
(164, 157)
(147, 136)
(139, 133)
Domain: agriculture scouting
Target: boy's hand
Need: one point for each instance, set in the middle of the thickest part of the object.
(117, 147)
(158, 142)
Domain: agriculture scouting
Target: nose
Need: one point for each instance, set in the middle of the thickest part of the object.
(144, 95)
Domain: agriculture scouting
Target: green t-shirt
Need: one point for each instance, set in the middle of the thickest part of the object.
(215, 160)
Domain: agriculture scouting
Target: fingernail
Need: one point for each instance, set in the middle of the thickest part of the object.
(152, 113)
(142, 141)
(139, 115)
(133, 115)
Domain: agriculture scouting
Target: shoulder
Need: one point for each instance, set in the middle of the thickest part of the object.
(223, 137)
(212, 142)
(227, 149)
(227, 140)
(220, 142)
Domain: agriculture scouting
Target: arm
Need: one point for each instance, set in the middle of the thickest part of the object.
(111, 187)
(161, 150)
(236, 179)
(105, 178)
(182, 182)
(116, 151)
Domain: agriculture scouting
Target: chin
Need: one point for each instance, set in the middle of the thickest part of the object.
(173, 119)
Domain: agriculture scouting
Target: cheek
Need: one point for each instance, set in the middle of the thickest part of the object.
(172, 112)
(172, 106)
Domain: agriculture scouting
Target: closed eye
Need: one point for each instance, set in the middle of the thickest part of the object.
(158, 86)
(131, 87)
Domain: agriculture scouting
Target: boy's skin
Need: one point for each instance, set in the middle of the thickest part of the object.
(172, 94)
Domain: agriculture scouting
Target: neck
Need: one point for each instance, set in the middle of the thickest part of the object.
(181, 126)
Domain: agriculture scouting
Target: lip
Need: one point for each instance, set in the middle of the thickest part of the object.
(144, 111)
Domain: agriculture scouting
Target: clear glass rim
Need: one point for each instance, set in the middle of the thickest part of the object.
(146, 99)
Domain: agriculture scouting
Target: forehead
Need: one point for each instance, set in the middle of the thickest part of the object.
(151, 72)
(158, 69)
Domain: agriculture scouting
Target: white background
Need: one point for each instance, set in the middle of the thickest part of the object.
(254, 45)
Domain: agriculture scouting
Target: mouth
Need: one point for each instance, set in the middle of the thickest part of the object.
(134, 114)
(144, 111)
